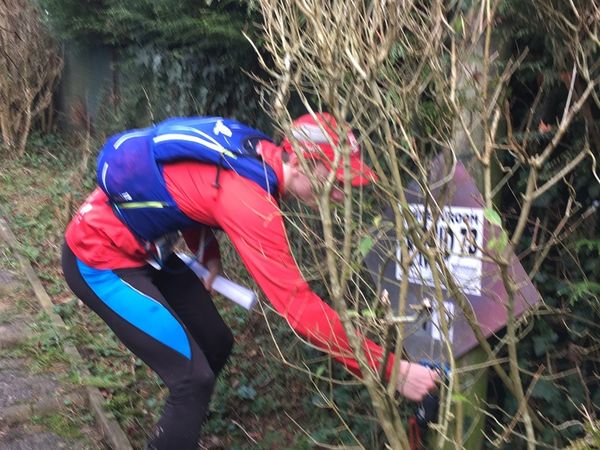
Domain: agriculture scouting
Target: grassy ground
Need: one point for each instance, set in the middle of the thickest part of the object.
(260, 402)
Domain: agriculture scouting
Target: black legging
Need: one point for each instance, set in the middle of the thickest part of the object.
(188, 366)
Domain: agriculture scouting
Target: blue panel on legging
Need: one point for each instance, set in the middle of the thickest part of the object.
(138, 309)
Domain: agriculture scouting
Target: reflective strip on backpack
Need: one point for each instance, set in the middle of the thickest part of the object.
(128, 136)
(133, 205)
(214, 145)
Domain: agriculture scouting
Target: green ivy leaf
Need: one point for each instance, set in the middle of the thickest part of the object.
(458, 24)
(368, 313)
(320, 370)
(499, 242)
(459, 398)
(365, 246)
(492, 216)
(544, 341)
(503, 240)
(545, 390)
(246, 392)
(377, 220)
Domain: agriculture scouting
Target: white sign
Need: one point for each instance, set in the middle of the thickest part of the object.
(436, 323)
(459, 235)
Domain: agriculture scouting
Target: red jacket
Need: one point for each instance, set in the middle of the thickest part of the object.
(254, 224)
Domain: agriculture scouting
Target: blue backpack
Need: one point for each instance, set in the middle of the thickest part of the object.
(130, 164)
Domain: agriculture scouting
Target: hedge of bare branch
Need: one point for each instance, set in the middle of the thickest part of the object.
(418, 80)
(30, 65)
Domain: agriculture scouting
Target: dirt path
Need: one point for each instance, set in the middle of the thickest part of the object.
(43, 405)
(40, 408)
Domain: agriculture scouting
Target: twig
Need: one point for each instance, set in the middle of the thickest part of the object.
(237, 424)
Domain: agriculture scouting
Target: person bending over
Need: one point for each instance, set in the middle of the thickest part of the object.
(193, 175)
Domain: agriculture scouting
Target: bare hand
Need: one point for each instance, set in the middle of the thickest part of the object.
(416, 381)
(214, 268)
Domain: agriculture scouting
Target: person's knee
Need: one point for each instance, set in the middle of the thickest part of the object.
(202, 382)
(197, 386)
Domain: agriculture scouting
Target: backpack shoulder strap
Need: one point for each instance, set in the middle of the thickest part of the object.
(225, 143)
